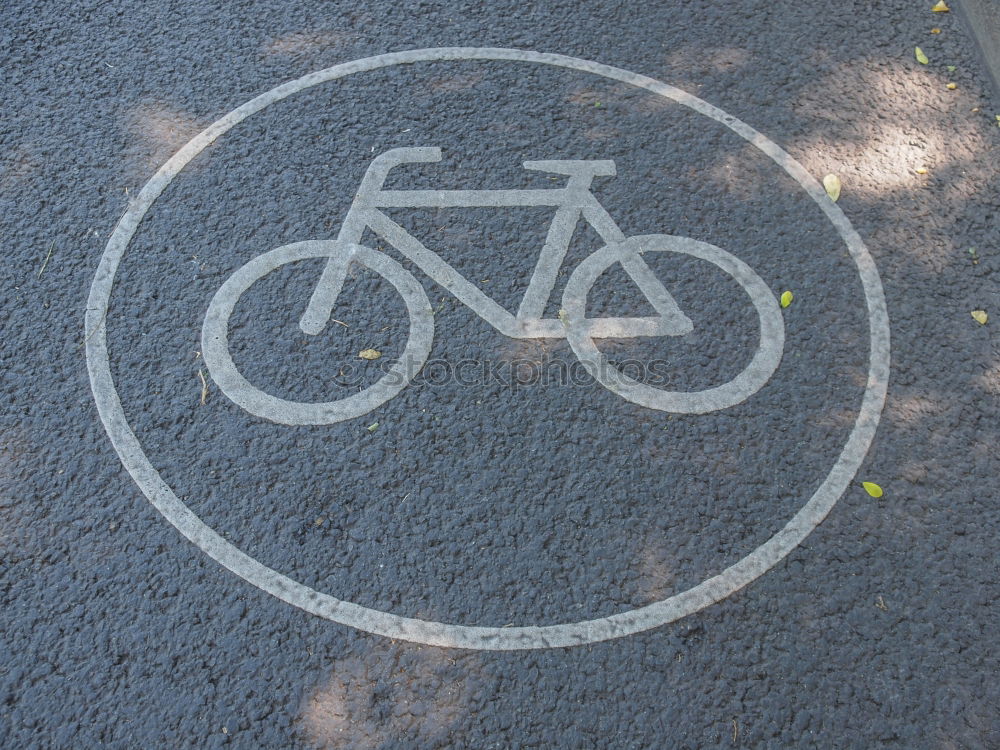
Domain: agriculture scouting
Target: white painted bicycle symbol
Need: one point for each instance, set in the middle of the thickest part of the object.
(573, 202)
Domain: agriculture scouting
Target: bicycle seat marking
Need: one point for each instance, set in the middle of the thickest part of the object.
(572, 203)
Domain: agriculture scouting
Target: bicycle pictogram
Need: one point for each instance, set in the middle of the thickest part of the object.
(573, 203)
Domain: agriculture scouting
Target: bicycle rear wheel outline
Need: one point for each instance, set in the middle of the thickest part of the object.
(215, 337)
(750, 380)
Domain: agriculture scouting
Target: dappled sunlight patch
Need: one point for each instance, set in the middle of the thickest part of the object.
(741, 173)
(462, 82)
(869, 166)
(910, 132)
(602, 96)
(917, 471)
(904, 95)
(656, 570)
(989, 381)
(857, 376)
(911, 410)
(838, 419)
(725, 59)
(909, 151)
(588, 97)
(159, 131)
(297, 42)
(328, 718)
(415, 696)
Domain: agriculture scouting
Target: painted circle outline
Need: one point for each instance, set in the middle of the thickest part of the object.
(708, 592)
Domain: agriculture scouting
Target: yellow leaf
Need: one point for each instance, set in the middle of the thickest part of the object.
(872, 489)
(980, 316)
(786, 298)
(941, 7)
(935, 31)
(564, 318)
(831, 183)
(921, 57)
(951, 86)
(370, 354)
(921, 170)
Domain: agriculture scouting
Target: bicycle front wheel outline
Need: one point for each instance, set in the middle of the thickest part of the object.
(750, 380)
(215, 336)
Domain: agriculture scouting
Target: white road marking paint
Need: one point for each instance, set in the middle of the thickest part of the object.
(215, 346)
(758, 372)
(572, 203)
(466, 636)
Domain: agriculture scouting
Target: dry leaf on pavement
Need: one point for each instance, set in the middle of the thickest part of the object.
(872, 489)
(831, 183)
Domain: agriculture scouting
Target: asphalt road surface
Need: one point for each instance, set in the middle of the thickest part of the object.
(454, 374)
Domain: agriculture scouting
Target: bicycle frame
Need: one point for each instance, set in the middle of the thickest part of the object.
(572, 202)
